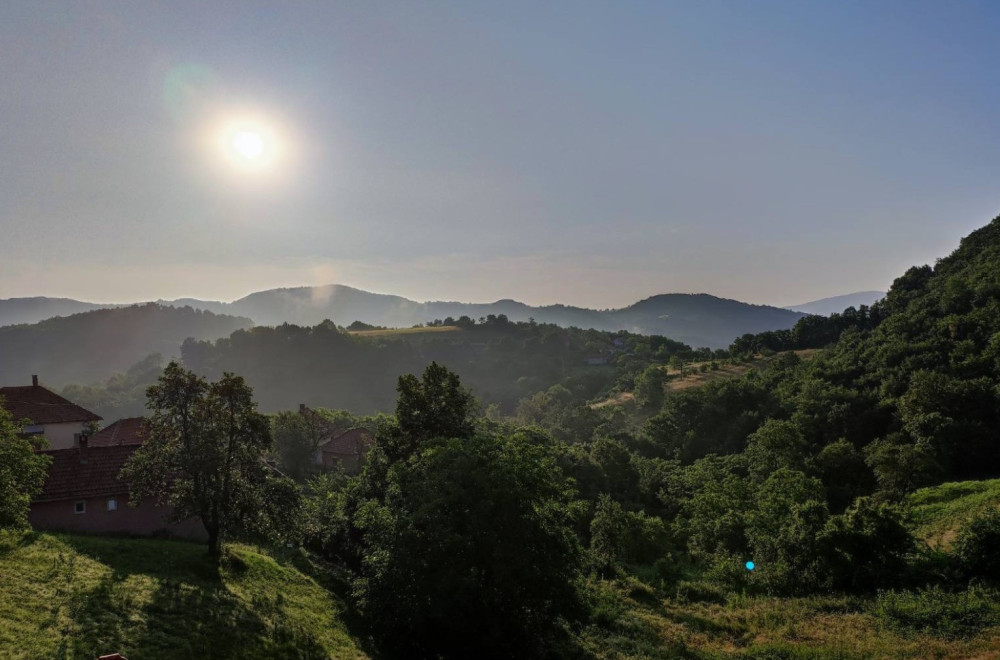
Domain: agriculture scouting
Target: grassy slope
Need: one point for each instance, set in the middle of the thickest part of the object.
(939, 511)
(637, 624)
(64, 596)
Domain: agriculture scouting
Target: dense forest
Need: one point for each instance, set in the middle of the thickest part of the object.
(501, 361)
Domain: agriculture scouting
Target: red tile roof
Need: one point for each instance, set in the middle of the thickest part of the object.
(79, 473)
(42, 406)
(126, 431)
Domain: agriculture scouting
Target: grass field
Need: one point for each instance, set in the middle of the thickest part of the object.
(939, 512)
(637, 624)
(391, 332)
(72, 597)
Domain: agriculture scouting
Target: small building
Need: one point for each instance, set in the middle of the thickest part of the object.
(346, 449)
(46, 413)
(338, 447)
(85, 492)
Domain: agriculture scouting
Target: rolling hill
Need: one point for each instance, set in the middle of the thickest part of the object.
(695, 319)
(17, 311)
(89, 346)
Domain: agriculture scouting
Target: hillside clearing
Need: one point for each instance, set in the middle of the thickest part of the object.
(938, 512)
(696, 378)
(79, 597)
(384, 332)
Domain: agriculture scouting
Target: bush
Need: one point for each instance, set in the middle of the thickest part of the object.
(938, 612)
(699, 592)
(976, 546)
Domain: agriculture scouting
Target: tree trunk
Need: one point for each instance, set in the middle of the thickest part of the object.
(214, 541)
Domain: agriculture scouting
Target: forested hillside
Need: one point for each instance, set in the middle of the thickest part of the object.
(501, 361)
(91, 346)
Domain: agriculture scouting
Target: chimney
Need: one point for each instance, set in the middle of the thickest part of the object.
(34, 380)
(82, 440)
(302, 407)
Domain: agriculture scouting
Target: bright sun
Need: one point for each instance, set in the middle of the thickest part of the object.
(251, 145)
(248, 145)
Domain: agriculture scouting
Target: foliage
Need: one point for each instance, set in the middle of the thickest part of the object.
(22, 472)
(121, 395)
(977, 543)
(503, 562)
(204, 456)
(939, 612)
(296, 440)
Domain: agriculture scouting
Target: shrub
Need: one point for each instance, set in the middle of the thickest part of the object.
(938, 612)
(976, 546)
(699, 592)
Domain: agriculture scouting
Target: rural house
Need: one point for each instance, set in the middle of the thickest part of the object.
(346, 448)
(47, 414)
(84, 491)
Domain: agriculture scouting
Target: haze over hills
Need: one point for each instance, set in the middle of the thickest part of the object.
(837, 304)
(14, 311)
(85, 347)
(694, 319)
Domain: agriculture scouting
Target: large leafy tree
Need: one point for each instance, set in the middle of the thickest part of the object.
(471, 554)
(22, 472)
(461, 538)
(297, 438)
(204, 456)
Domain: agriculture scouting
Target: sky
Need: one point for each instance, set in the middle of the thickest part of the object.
(588, 153)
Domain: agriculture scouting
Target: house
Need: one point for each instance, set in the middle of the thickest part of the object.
(336, 446)
(47, 414)
(84, 491)
(128, 431)
(346, 449)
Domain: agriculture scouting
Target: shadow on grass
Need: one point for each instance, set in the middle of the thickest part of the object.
(167, 599)
(13, 540)
(337, 581)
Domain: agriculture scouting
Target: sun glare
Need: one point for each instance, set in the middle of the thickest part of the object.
(251, 145)
(248, 145)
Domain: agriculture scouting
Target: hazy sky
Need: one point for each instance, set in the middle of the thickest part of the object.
(585, 153)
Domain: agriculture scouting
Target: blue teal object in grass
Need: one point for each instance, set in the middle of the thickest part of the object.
(750, 565)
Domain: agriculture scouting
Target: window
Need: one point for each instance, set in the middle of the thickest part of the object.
(80, 507)
(112, 504)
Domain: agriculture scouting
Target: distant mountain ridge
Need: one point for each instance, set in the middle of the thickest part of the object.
(695, 319)
(16, 311)
(837, 304)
